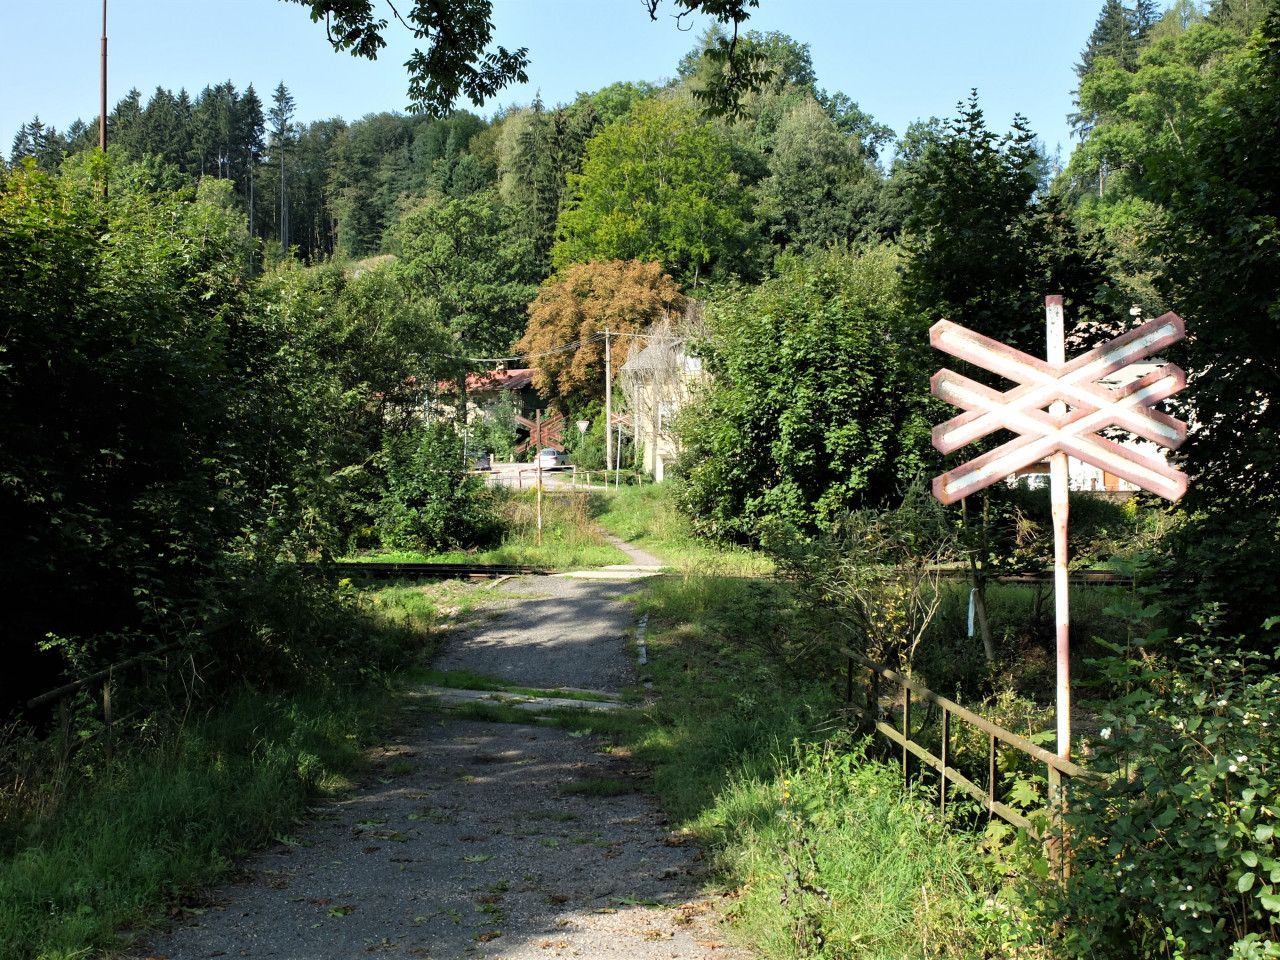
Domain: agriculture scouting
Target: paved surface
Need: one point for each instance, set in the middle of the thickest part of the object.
(482, 840)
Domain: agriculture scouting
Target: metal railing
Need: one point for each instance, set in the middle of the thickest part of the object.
(1058, 771)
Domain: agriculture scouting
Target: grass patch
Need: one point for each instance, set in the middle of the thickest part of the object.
(95, 843)
(828, 856)
(570, 539)
(647, 516)
(466, 680)
(169, 816)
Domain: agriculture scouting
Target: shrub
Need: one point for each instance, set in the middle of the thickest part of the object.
(432, 502)
(1175, 848)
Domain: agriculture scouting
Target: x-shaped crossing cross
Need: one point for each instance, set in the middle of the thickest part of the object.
(547, 433)
(1090, 407)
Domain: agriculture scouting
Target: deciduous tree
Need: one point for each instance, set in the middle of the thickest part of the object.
(574, 307)
(658, 185)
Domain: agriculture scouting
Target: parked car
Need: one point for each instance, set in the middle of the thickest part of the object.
(550, 457)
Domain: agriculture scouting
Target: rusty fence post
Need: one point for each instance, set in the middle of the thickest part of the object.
(906, 737)
(946, 758)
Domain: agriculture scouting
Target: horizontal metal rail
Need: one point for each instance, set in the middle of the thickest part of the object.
(1096, 578)
(439, 571)
(1019, 743)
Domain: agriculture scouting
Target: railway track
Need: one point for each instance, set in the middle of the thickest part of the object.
(438, 571)
(1097, 578)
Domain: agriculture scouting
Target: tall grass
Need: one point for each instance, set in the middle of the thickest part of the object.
(170, 816)
(570, 538)
(648, 517)
(100, 842)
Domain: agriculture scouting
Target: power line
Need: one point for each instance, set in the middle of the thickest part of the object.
(576, 344)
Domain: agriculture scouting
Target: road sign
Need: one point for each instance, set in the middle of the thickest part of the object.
(542, 433)
(1056, 410)
(1091, 407)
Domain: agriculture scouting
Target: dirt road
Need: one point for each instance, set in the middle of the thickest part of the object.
(477, 839)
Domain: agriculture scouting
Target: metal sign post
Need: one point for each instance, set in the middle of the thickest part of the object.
(537, 453)
(1078, 406)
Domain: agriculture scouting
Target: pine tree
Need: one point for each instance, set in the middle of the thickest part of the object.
(281, 117)
(249, 135)
(37, 142)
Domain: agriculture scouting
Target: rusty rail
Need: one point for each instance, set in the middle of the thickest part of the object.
(1094, 578)
(1058, 770)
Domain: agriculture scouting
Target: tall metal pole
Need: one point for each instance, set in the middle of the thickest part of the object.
(102, 104)
(1059, 477)
(537, 452)
(608, 401)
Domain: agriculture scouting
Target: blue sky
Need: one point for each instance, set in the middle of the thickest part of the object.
(900, 59)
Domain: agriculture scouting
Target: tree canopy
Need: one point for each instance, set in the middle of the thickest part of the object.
(574, 308)
(658, 185)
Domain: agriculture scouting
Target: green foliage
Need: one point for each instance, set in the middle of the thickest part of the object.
(875, 571)
(432, 501)
(494, 430)
(1175, 846)
(658, 185)
(1183, 166)
(820, 189)
(1224, 278)
(817, 401)
(985, 252)
(121, 384)
(459, 255)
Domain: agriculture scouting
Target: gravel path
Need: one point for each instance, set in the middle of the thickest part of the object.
(558, 632)
(482, 840)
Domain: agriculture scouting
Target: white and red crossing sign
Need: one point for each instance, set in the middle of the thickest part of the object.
(1078, 405)
(1085, 406)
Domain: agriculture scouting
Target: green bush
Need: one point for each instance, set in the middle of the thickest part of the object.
(432, 502)
(1175, 847)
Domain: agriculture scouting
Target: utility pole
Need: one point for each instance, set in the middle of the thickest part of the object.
(608, 401)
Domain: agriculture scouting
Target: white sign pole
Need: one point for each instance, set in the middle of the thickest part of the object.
(1059, 482)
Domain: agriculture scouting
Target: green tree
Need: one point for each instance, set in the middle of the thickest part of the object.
(658, 185)
(815, 406)
(984, 252)
(820, 189)
(460, 255)
(282, 132)
(1218, 187)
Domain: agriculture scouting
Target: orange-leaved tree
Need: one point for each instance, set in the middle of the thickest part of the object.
(564, 338)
